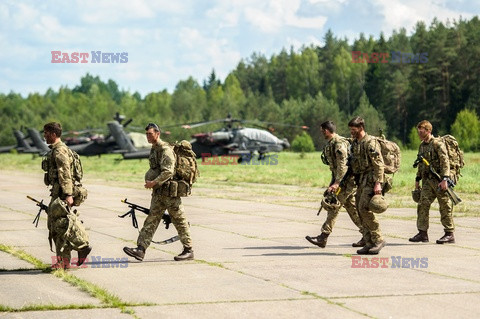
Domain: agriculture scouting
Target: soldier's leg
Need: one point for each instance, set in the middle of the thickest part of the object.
(327, 226)
(446, 211)
(157, 208)
(176, 211)
(365, 233)
(427, 196)
(349, 204)
(368, 218)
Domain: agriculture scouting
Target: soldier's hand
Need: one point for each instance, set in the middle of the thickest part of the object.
(377, 189)
(69, 200)
(443, 185)
(417, 185)
(150, 184)
(333, 188)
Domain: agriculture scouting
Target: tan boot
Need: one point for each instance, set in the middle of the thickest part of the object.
(376, 249)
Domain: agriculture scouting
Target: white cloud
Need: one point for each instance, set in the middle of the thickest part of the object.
(406, 13)
(270, 17)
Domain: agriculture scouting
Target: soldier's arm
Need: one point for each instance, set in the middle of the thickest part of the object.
(167, 164)
(62, 160)
(375, 154)
(442, 153)
(341, 156)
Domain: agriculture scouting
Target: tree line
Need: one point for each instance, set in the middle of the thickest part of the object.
(297, 87)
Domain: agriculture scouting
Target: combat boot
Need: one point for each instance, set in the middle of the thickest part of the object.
(320, 240)
(422, 236)
(448, 238)
(364, 250)
(137, 253)
(82, 254)
(360, 243)
(187, 254)
(376, 249)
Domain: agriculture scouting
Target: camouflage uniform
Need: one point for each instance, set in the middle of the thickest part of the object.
(65, 229)
(435, 152)
(162, 159)
(368, 168)
(336, 153)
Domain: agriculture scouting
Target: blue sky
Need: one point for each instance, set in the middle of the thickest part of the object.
(168, 41)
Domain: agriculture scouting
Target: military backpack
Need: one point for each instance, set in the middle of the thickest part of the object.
(391, 155)
(455, 156)
(186, 171)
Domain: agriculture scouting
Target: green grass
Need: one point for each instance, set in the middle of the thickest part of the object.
(291, 169)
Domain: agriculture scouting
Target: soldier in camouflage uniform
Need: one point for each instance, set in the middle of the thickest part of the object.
(335, 155)
(368, 169)
(162, 169)
(65, 229)
(435, 152)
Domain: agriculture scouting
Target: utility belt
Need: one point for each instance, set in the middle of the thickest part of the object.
(174, 188)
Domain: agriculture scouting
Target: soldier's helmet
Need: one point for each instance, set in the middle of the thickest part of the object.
(378, 204)
(416, 195)
(330, 201)
(151, 174)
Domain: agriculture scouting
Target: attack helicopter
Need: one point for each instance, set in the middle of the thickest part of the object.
(231, 140)
(23, 145)
(117, 141)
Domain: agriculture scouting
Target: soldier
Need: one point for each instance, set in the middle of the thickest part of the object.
(435, 152)
(65, 229)
(335, 155)
(162, 169)
(368, 169)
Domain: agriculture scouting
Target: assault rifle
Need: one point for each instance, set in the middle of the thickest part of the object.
(133, 207)
(451, 194)
(42, 207)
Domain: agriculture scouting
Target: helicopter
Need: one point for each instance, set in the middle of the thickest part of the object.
(231, 140)
(23, 145)
(117, 141)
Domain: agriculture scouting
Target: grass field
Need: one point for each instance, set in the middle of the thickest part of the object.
(307, 172)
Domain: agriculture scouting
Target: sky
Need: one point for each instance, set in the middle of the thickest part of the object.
(168, 41)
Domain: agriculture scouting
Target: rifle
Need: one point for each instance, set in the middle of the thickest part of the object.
(166, 217)
(451, 194)
(42, 207)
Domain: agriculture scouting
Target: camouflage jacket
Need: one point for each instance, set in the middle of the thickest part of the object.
(367, 158)
(336, 152)
(435, 152)
(58, 167)
(162, 160)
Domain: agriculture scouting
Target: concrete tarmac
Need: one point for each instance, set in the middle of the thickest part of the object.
(251, 261)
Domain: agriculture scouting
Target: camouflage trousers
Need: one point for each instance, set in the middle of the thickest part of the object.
(158, 206)
(371, 228)
(66, 230)
(429, 193)
(347, 198)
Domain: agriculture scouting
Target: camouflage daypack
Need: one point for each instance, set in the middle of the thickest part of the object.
(186, 169)
(390, 154)
(455, 156)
